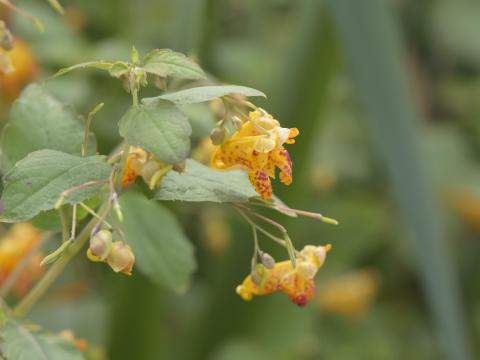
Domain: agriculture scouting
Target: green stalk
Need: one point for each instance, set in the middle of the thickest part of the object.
(56, 269)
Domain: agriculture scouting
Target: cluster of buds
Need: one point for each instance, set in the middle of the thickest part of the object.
(297, 281)
(116, 253)
(145, 165)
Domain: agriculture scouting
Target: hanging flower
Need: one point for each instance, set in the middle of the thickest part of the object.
(258, 147)
(297, 282)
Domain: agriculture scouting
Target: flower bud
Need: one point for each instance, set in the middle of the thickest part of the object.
(268, 261)
(121, 258)
(6, 38)
(218, 135)
(180, 167)
(258, 274)
(237, 122)
(160, 82)
(257, 279)
(101, 244)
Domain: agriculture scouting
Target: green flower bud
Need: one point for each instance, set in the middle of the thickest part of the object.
(257, 279)
(101, 244)
(180, 167)
(268, 261)
(218, 135)
(6, 38)
(121, 258)
(237, 122)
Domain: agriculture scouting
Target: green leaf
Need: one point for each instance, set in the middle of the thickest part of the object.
(205, 93)
(47, 220)
(166, 62)
(161, 249)
(118, 69)
(39, 121)
(201, 119)
(160, 128)
(19, 343)
(201, 183)
(102, 65)
(36, 182)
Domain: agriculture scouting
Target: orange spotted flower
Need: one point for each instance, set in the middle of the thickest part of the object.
(258, 146)
(297, 282)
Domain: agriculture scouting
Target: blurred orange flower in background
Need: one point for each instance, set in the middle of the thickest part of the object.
(17, 244)
(24, 69)
(349, 294)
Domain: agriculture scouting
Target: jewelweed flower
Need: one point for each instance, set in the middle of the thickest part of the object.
(258, 147)
(297, 282)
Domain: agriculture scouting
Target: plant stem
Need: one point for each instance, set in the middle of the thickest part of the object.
(287, 241)
(94, 214)
(56, 269)
(261, 229)
(87, 128)
(135, 97)
(74, 222)
(63, 221)
(38, 24)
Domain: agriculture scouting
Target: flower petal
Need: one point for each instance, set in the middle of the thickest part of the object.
(281, 159)
(261, 182)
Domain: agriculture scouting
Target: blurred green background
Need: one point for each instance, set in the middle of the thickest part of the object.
(386, 95)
